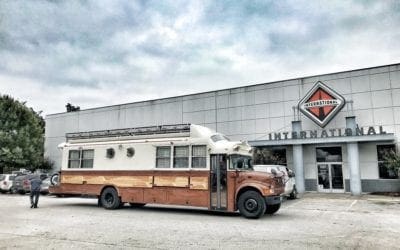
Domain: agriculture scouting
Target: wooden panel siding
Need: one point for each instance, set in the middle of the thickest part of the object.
(184, 187)
(166, 172)
(171, 181)
(118, 181)
(94, 179)
(72, 179)
(199, 183)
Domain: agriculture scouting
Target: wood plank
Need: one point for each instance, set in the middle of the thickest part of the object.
(171, 181)
(71, 179)
(199, 183)
(130, 181)
(94, 179)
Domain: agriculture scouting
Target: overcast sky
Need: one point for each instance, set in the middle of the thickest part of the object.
(98, 53)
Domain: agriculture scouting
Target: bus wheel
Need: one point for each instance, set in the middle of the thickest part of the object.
(137, 204)
(271, 209)
(54, 179)
(109, 198)
(251, 204)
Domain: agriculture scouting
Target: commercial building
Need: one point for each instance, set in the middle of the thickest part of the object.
(334, 129)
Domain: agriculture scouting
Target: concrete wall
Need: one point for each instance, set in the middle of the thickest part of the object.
(368, 186)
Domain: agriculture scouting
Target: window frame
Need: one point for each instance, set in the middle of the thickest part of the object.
(198, 157)
(381, 162)
(83, 159)
(80, 158)
(163, 157)
(326, 149)
(277, 155)
(189, 157)
(233, 160)
(176, 158)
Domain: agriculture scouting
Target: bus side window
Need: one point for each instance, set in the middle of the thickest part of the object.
(163, 157)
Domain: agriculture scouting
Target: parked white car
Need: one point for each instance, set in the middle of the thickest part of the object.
(6, 182)
(288, 177)
(44, 188)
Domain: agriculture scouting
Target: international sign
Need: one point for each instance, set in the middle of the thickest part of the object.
(321, 104)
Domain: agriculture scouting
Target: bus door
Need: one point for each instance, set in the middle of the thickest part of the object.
(218, 182)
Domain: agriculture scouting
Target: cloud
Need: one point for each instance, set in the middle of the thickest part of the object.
(98, 53)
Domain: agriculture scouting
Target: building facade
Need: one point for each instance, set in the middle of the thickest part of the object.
(334, 130)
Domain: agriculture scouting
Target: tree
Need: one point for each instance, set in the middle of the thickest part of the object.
(392, 162)
(21, 136)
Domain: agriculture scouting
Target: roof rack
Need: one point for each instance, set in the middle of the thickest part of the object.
(162, 129)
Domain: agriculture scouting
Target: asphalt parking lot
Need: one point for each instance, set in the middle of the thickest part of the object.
(313, 222)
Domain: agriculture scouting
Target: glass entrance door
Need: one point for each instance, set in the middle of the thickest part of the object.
(330, 177)
(337, 184)
(323, 178)
(330, 169)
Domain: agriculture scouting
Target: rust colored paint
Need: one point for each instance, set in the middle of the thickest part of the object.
(231, 204)
(134, 195)
(260, 181)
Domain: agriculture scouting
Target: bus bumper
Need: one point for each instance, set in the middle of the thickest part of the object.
(273, 200)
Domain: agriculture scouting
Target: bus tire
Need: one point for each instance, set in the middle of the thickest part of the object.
(251, 204)
(136, 204)
(109, 198)
(271, 209)
(55, 179)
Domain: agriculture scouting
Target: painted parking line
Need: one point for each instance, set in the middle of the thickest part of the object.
(351, 205)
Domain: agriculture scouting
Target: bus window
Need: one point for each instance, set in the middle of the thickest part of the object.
(241, 162)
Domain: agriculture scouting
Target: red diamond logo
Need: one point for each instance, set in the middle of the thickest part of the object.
(321, 104)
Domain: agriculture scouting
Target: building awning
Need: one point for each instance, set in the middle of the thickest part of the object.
(389, 137)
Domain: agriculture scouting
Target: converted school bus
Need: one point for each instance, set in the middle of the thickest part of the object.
(177, 165)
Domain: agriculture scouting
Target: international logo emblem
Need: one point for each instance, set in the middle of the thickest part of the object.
(321, 104)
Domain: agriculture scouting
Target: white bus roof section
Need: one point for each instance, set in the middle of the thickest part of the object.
(197, 131)
(142, 132)
(159, 135)
(154, 132)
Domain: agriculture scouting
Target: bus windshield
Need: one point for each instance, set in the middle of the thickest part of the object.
(241, 162)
